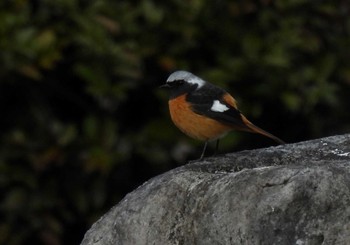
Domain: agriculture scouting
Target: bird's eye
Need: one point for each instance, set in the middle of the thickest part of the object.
(175, 84)
(180, 82)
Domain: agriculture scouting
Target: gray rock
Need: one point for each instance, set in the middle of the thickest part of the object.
(292, 194)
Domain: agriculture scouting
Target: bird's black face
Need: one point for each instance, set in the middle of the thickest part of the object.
(179, 87)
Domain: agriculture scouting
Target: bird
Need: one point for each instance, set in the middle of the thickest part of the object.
(204, 111)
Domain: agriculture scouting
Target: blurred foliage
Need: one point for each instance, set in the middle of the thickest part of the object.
(83, 122)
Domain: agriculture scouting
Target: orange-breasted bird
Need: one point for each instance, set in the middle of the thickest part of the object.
(204, 111)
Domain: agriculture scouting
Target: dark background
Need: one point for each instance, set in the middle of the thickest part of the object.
(83, 121)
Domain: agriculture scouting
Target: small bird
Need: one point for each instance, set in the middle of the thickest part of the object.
(204, 111)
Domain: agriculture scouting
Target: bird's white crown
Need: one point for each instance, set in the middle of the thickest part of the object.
(187, 77)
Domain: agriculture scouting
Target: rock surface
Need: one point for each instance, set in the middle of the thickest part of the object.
(292, 194)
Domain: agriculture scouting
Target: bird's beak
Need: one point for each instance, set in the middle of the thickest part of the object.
(165, 86)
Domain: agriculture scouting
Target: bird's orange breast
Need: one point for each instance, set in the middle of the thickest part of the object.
(195, 125)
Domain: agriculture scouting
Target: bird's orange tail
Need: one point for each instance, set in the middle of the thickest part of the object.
(254, 129)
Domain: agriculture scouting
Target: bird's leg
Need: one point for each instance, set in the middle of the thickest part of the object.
(205, 147)
(216, 147)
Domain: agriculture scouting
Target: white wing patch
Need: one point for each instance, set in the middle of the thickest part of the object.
(218, 106)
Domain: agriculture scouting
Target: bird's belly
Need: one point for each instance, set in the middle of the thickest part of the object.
(195, 125)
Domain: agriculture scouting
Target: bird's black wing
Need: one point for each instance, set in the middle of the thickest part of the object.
(202, 101)
(202, 104)
(232, 116)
